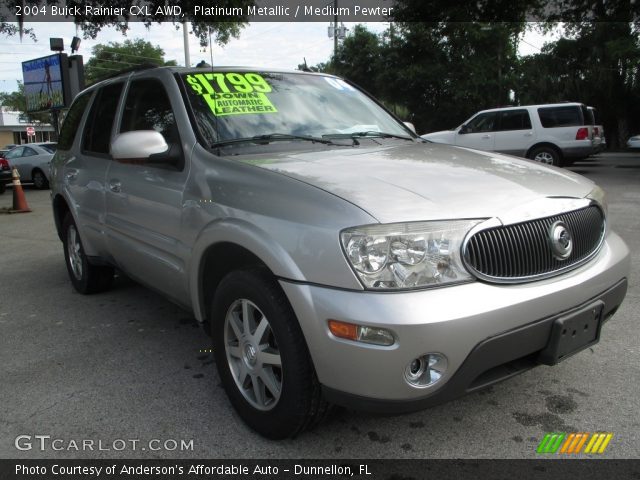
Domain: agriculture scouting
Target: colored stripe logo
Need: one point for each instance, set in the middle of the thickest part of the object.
(573, 443)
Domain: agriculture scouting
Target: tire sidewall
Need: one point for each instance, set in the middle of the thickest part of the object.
(43, 184)
(282, 420)
(81, 285)
(550, 151)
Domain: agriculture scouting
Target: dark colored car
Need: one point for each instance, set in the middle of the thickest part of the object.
(5, 173)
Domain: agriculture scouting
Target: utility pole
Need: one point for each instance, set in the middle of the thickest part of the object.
(185, 33)
(335, 31)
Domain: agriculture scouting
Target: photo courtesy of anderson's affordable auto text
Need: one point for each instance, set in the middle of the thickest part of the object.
(278, 239)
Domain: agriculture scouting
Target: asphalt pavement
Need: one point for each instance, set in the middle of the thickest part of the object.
(129, 365)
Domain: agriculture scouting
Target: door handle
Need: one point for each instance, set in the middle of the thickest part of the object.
(115, 186)
(486, 137)
(528, 134)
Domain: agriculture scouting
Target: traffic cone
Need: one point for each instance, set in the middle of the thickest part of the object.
(19, 201)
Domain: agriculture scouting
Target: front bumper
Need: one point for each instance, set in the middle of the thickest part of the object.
(488, 332)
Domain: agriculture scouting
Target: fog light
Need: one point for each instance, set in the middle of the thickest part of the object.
(425, 370)
(360, 333)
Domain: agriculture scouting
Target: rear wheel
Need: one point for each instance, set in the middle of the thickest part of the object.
(39, 179)
(262, 357)
(86, 278)
(546, 155)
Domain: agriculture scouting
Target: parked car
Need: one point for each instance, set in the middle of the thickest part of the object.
(5, 174)
(32, 161)
(599, 140)
(555, 134)
(633, 142)
(333, 255)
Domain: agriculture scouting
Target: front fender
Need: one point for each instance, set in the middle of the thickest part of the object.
(243, 234)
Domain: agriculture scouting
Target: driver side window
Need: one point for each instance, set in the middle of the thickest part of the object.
(148, 108)
(485, 122)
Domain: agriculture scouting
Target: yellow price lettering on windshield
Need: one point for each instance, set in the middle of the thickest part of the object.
(232, 93)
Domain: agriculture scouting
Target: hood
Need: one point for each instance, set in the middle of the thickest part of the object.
(413, 182)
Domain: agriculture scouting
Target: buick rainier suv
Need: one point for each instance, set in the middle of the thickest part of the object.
(333, 255)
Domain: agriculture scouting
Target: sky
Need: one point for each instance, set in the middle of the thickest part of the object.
(265, 44)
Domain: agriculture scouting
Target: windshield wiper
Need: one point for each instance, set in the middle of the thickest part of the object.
(367, 133)
(274, 137)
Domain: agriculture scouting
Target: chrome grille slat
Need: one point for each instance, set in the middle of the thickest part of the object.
(522, 251)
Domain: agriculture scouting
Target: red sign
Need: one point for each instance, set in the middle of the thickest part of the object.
(31, 131)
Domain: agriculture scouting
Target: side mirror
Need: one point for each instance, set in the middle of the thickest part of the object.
(137, 146)
(464, 129)
(410, 126)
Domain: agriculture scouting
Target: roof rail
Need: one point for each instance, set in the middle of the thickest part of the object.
(135, 68)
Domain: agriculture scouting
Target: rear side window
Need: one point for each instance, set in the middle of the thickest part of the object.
(49, 148)
(553, 117)
(514, 120)
(148, 108)
(97, 132)
(72, 121)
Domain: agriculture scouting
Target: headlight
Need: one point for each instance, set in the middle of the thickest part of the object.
(407, 255)
(598, 195)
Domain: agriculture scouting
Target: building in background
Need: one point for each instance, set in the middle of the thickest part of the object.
(13, 130)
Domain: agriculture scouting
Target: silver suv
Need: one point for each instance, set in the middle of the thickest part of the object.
(334, 256)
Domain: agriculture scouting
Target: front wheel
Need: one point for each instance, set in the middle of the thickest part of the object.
(85, 277)
(546, 155)
(262, 357)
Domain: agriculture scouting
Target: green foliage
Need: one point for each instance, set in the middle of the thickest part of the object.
(110, 58)
(359, 58)
(440, 72)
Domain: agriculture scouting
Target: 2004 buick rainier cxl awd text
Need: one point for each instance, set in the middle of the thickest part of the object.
(334, 256)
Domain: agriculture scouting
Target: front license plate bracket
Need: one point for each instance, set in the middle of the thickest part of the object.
(572, 333)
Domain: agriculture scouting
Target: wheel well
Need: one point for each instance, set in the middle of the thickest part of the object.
(545, 144)
(60, 210)
(217, 261)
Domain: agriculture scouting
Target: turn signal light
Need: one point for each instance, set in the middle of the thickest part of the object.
(360, 333)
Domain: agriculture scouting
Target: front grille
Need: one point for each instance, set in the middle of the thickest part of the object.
(523, 251)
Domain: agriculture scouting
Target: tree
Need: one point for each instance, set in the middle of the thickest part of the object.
(359, 59)
(443, 72)
(112, 57)
(17, 102)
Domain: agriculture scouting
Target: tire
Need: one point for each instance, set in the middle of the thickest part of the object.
(86, 278)
(276, 401)
(546, 155)
(39, 179)
(3, 188)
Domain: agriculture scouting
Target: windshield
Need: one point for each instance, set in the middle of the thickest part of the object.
(244, 105)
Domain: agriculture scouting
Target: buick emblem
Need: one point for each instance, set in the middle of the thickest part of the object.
(560, 240)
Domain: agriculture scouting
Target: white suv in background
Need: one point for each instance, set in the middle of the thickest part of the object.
(555, 134)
